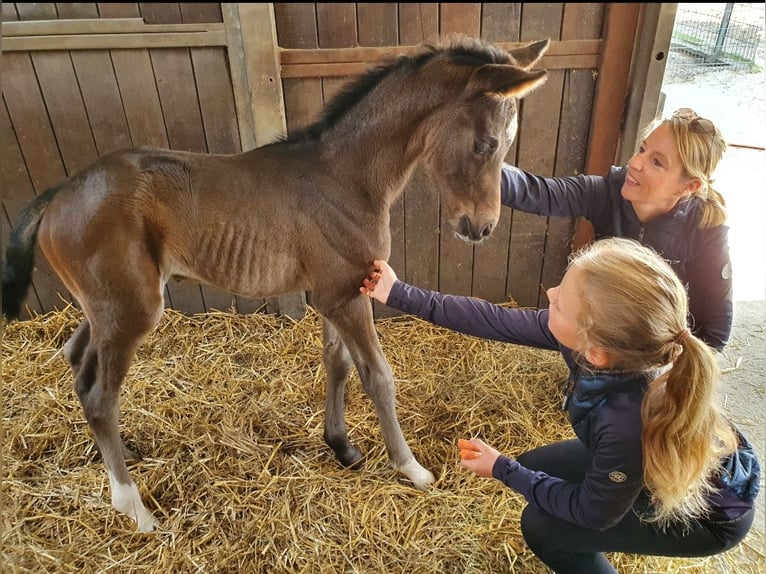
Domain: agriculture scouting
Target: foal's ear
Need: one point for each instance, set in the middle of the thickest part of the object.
(505, 81)
(527, 56)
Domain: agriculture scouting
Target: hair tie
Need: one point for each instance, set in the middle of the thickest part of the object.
(680, 339)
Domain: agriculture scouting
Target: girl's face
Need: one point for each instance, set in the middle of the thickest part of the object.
(656, 180)
(564, 309)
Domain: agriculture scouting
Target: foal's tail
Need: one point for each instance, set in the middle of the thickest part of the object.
(20, 254)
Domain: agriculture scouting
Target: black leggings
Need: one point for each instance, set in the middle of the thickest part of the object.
(567, 548)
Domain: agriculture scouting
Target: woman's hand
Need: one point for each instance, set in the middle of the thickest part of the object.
(379, 282)
(481, 459)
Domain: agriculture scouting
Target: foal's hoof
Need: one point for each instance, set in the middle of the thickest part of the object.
(349, 457)
(421, 478)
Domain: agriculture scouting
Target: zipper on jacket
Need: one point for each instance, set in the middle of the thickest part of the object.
(568, 393)
(641, 234)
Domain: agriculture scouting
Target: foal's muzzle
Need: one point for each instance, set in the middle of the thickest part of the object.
(471, 232)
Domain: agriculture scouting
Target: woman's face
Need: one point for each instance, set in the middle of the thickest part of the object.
(656, 180)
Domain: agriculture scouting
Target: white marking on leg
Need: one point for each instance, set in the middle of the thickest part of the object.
(126, 499)
(421, 478)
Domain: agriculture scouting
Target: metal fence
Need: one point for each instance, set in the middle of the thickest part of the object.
(716, 36)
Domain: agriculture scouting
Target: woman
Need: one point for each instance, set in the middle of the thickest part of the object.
(663, 198)
(655, 468)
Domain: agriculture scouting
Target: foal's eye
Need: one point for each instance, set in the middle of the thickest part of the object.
(486, 146)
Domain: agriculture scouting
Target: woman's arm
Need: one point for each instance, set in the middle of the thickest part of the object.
(559, 196)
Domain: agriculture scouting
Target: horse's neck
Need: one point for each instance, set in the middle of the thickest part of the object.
(376, 144)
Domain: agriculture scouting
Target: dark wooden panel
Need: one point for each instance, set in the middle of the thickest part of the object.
(501, 21)
(100, 93)
(456, 256)
(76, 10)
(460, 18)
(119, 10)
(201, 12)
(418, 23)
(296, 25)
(36, 10)
(103, 103)
(161, 12)
(377, 24)
(66, 109)
(27, 111)
(336, 24)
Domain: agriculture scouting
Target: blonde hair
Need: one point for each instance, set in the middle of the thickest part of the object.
(635, 308)
(701, 146)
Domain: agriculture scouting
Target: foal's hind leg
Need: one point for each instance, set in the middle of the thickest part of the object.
(74, 351)
(75, 347)
(120, 314)
(355, 326)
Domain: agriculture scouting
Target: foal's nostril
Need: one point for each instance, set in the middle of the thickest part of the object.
(487, 231)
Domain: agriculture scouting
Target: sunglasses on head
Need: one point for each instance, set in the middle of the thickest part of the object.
(696, 123)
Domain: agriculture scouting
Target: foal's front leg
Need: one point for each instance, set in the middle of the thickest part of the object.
(337, 363)
(355, 326)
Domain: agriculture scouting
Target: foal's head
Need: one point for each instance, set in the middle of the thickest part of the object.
(468, 137)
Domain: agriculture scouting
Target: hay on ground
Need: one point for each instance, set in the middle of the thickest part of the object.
(228, 413)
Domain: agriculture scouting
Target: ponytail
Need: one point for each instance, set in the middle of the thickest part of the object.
(713, 209)
(684, 435)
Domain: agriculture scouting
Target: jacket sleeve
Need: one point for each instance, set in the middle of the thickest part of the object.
(473, 316)
(709, 277)
(607, 492)
(573, 196)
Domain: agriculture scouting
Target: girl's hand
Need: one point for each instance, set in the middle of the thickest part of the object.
(477, 457)
(379, 282)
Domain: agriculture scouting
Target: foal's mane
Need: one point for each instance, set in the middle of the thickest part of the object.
(463, 50)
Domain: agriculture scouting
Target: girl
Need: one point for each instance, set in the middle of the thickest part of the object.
(655, 468)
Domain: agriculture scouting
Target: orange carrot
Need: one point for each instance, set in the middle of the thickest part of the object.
(469, 454)
(464, 444)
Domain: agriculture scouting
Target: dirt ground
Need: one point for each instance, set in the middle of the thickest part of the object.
(734, 101)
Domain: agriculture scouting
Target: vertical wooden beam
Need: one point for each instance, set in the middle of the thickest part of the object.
(238, 69)
(616, 58)
(651, 56)
(621, 23)
(259, 43)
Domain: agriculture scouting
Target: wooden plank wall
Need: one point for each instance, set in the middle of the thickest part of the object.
(526, 254)
(63, 108)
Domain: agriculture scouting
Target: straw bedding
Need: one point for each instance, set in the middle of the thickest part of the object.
(227, 411)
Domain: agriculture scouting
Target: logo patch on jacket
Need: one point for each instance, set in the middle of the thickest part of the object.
(617, 476)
